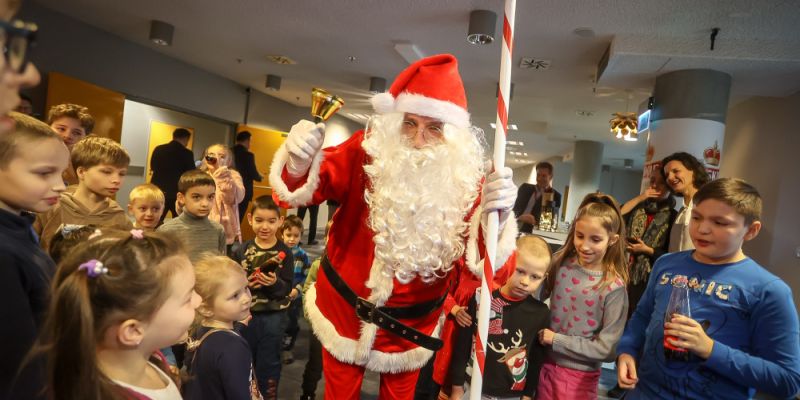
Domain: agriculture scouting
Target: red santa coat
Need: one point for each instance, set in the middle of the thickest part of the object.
(337, 173)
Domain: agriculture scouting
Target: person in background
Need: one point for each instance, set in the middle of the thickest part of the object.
(313, 370)
(146, 206)
(101, 165)
(742, 333)
(32, 158)
(529, 197)
(685, 175)
(217, 161)
(25, 105)
(72, 122)
(168, 162)
(246, 165)
(292, 233)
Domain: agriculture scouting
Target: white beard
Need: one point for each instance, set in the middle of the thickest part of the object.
(419, 198)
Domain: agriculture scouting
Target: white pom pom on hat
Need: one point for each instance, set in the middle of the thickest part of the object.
(431, 87)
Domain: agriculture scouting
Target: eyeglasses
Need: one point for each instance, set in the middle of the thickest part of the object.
(17, 37)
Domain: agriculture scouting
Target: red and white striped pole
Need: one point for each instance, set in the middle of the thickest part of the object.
(500, 132)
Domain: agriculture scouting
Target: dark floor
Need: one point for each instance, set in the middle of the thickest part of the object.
(292, 374)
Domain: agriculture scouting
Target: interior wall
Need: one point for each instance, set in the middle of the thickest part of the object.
(761, 143)
(136, 134)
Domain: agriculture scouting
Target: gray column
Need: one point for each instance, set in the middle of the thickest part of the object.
(689, 113)
(586, 170)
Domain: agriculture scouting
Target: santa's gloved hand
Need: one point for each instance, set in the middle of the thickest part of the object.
(499, 194)
(302, 144)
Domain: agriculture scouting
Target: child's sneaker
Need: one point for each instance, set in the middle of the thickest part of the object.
(287, 357)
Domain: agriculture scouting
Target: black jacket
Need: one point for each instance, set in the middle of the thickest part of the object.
(168, 162)
(25, 275)
(246, 165)
(526, 190)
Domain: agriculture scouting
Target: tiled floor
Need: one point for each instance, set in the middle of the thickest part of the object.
(292, 375)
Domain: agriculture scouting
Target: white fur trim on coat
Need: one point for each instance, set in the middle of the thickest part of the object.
(302, 195)
(406, 102)
(347, 350)
(506, 243)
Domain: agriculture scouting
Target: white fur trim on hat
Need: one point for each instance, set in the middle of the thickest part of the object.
(302, 195)
(406, 102)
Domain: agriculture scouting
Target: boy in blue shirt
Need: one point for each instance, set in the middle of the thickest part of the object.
(743, 331)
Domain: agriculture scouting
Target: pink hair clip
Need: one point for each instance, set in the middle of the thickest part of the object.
(93, 268)
(137, 234)
(95, 234)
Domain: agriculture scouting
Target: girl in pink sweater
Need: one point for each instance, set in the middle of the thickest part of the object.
(217, 161)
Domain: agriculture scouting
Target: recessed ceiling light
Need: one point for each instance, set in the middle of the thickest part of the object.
(351, 58)
(511, 127)
(584, 113)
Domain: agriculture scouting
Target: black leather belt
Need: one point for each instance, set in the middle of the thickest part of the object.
(386, 317)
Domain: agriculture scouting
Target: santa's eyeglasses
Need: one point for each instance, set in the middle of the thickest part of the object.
(17, 37)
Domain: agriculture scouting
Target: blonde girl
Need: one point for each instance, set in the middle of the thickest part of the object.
(218, 161)
(588, 301)
(116, 300)
(219, 360)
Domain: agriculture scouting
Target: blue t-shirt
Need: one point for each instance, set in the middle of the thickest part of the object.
(751, 318)
(301, 265)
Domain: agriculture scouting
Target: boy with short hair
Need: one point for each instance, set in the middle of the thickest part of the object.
(292, 233)
(145, 205)
(72, 122)
(100, 164)
(196, 190)
(269, 265)
(743, 331)
(514, 355)
(32, 158)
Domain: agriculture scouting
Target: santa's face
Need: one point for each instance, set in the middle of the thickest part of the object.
(422, 131)
(424, 178)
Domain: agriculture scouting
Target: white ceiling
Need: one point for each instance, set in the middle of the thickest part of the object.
(759, 45)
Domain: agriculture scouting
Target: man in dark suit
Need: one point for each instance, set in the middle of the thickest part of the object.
(529, 197)
(246, 165)
(168, 162)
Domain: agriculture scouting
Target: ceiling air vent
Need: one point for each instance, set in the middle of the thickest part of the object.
(534, 63)
(283, 60)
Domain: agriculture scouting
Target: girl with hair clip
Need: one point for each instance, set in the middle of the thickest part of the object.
(117, 299)
(588, 301)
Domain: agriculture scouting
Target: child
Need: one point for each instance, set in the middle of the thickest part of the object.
(313, 370)
(513, 354)
(101, 165)
(200, 235)
(218, 162)
(67, 237)
(292, 233)
(271, 285)
(32, 158)
(117, 299)
(219, 360)
(743, 328)
(72, 123)
(146, 204)
(588, 301)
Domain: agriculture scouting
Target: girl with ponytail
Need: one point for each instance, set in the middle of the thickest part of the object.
(117, 299)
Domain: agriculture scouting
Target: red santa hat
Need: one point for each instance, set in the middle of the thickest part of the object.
(430, 87)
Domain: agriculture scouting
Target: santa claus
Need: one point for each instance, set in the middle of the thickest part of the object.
(409, 188)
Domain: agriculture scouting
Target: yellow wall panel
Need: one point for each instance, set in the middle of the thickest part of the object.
(105, 105)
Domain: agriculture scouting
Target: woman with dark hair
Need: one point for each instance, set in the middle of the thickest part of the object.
(685, 175)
